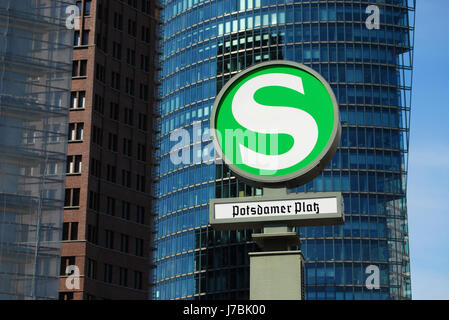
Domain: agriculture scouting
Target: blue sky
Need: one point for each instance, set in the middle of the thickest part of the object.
(428, 178)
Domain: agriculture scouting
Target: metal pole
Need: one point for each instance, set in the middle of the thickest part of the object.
(277, 272)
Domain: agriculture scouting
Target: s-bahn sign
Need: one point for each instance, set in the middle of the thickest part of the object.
(276, 124)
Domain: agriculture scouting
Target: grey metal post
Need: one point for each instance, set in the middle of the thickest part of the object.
(277, 272)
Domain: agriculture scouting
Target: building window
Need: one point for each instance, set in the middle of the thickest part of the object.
(109, 240)
(132, 27)
(89, 297)
(143, 92)
(91, 268)
(126, 209)
(124, 243)
(81, 41)
(100, 74)
(107, 273)
(104, 44)
(72, 197)
(75, 68)
(79, 68)
(112, 142)
(128, 116)
(116, 50)
(100, 11)
(114, 111)
(72, 132)
(115, 80)
(99, 103)
(78, 100)
(138, 280)
(97, 136)
(126, 178)
(142, 33)
(140, 183)
(139, 247)
(65, 262)
(65, 295)
(76, 38)
(145, 6)
(82, 99)
(141, 152)
(76, 131)
(118, 21)
(123, 277)
(92, 234)
(65, 230)
(79, 4)
(129, 86)
(143, 121)
(29, 135)
(74, 164)
(52, 169)
(94, 200)
(111, 173)
(74, 231)
(140, 215)
(131, 56)
(95, 168)
(70, 231)
(145, 63)
(73, 100)
(79, 132)
(145, 34)
(85, 38)
(110, 206)
(87, 7)
(127, 147)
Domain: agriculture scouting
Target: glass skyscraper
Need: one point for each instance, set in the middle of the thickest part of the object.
(205, 43)
(35, 75)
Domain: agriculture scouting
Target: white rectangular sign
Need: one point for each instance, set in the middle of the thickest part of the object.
(319, 208)
(275, 208)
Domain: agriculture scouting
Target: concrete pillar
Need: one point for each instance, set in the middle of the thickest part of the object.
(276, 275)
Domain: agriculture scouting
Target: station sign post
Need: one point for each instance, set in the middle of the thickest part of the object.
(276, 125)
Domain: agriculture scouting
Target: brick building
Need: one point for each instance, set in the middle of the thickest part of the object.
(107, 227)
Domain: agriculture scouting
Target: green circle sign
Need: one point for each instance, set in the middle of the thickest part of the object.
(276, 123)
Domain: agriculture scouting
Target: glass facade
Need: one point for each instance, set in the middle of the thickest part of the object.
(35, 75)
(205, 43)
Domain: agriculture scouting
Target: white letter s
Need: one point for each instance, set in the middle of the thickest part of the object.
(274, 119)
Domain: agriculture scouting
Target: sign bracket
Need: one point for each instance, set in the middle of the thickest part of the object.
(276, 236)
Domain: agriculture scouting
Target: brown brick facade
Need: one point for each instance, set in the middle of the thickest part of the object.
(116, 150)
